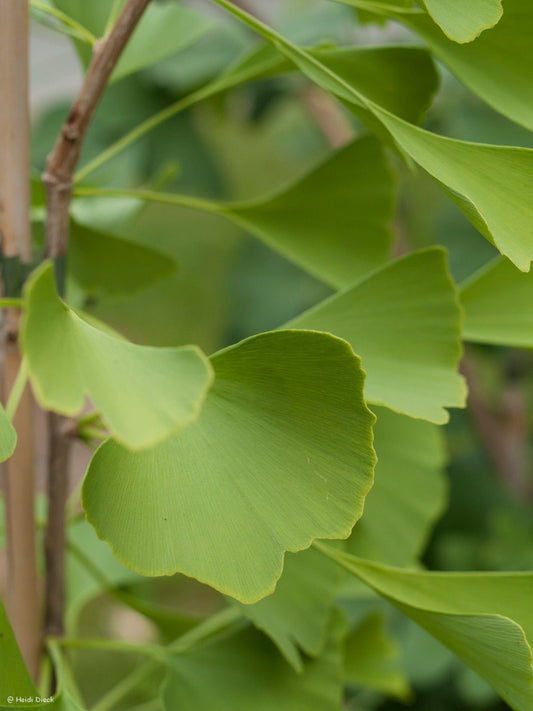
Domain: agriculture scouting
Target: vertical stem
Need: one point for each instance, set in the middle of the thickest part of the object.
(54, 541)
(58, 179)
(14, 130)
(22, 585)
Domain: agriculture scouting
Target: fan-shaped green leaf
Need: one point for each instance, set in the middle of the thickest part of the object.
(371, 659)
(242, 670)
(165, 28)
(143, 393)
(464, 23)
(484, 618)
(111, 263)
(335, 222)
(497, 65)
(498, 306)
(404, 321)
(280, 454)
(409, 492)
(296, 616)
(494, 184)
(104, 262)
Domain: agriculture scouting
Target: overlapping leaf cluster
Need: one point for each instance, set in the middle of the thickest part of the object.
(227, 469)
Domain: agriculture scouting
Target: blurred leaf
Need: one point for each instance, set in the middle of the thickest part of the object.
(281, 454)
(164, 29)
(296, 616)
(404, 321)
(91, 570)
(465, 24)
(144, 394)
(372, 659)
(498, 305)
(8, 436)
(409, 492)
(485, 619)
(105, 262)
(335, 222)
(493, 185)
(497, 65)
(243, 670)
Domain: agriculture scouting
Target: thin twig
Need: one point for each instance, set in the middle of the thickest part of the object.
(65, 155)
(58, 179)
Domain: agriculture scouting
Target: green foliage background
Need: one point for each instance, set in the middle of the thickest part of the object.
(244, 264)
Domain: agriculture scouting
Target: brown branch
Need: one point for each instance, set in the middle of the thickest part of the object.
(62, 161)
(58, 179)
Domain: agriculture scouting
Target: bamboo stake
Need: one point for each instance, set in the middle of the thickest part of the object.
(23, 603)
(14, 130)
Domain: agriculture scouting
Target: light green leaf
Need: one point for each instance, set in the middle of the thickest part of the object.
(498, 306)
(296, 616)
(8, 436)
(242, 670)
(404, 321)
(409, 492)
(281, 454)
(371, 659)
(484, 618)
(497, 66)
(165, 29)
(464, 23)
(494, 184)
(144, 394)
(349, 198)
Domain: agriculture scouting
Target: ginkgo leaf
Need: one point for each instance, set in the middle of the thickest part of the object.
(144, 394)
(484, 618)
(404, 321)
(463, 23)
(105, 262)
(297, 615)
(242, 670)
(498, 305)
(281, 454)
(335, 222)
(372, 659)
(494, 184)
(497, 65)
(349, 197)
(409, 492)
(164, 29)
